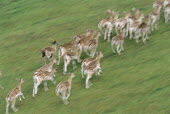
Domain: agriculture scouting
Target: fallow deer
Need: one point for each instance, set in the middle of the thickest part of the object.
(13, 95)
(47, 67)
(49, 52)
(109, 27)
(118, 41)
(144, 30)
(63, 89)
(71, 56)
(43, 76)
(68, 47)
(92, 45)
(87, 61)
(104, 22)
(165, 3)
(82, 43)
(91, 68)
(155, 16)
(157, 3)
(167, 13)
(134, 24)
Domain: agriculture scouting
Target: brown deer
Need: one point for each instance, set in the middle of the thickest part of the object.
(167, 13)
(63, 89)
(13, 95)
(71, 56)
(87, 61)
(92, 45)
(118, 41)
(91, 68)
(49, 52)
(43, 76)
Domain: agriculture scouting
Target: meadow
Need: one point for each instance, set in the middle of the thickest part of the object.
(135, 82)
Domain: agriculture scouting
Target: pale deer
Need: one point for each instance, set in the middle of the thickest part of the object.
(91, 46)
(13, 95)
(49, 52)
(166, 2)
(118, 41)
(43, 76)
(104, 22)
(155, 16)
(167, 13)
(71, 56)
(109, 27)
(87, 61)
(82, 43)
(63, 89)
(47, 67)
(90, 69)
(134, 24)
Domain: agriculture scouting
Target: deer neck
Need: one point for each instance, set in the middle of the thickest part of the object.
(70, 80)
(19, 86)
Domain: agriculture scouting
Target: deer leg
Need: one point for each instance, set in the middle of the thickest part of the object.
(87, 82)
(64, 98)
(105, 34)
(82, 71)
(7, 107)
(122, 47)
(65, 67)
(74, 64)
(118, 50)
(112, 47)
(45, 86)
(36, 87)
(22, 96)
(13, 106)
(109, 33)
(68, 93)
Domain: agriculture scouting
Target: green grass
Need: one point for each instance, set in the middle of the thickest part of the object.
(136, 82)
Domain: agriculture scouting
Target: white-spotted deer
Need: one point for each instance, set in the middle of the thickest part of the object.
(91, 46)
(63, 89)
(87, 61)
(43, 76)
(71, 56)
(91, 68)
(118, 41)
(13, 95)
(167, 13)
(49, 52)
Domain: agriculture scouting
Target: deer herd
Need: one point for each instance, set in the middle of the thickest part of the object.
(134, 25)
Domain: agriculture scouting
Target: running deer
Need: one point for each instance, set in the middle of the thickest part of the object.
(109, 27)
(71, 56)
(122, 22)
(134, 24)
(91, 68)
(155, 16)
(87, 61)
(47, 67)
(92, 45)
(13, 95)
(82, 43)
(118, 41)
(166, 2)
(104, 22)
(167, 13)
(144, 30)
(63, 89)
(43, 76)
(157, 3)
(81, 36)
(49, 52)
(68, 47)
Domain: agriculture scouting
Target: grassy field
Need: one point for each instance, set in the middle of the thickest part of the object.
(136, 82)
